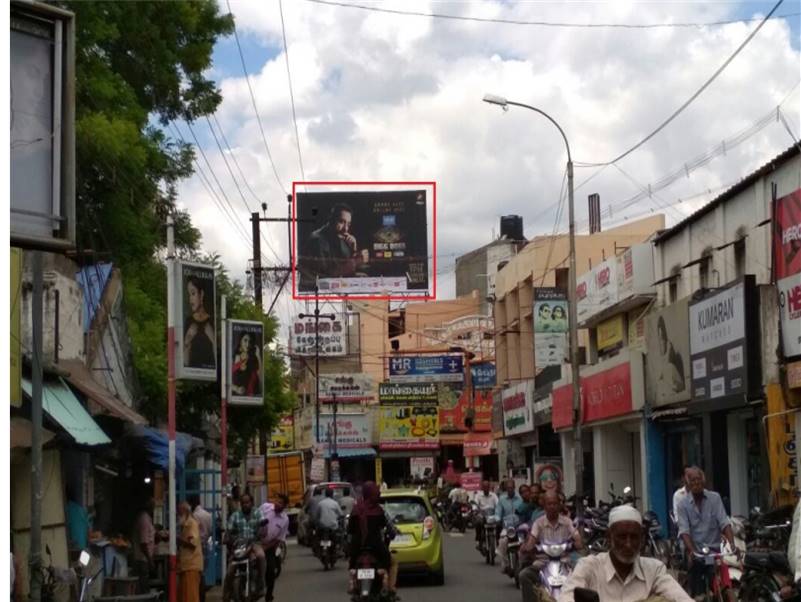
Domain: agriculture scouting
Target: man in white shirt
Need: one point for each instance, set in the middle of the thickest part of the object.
(681, 492)
(327, 512)
(486, 500)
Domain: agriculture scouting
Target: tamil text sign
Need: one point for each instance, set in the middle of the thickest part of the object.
(352, 430)
(346, 387)
(332, 337)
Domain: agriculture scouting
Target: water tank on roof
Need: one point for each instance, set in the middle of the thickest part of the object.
(512, 227)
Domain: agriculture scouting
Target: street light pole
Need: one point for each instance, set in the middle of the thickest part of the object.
(578, 452)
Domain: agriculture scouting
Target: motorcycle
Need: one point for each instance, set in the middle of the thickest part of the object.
(443, 515)
(556, 571)
(718, 585)
(474, 516)
(655, 545)
(243, 580)
(490, 537)
(371, 582)
(463, 517)
(515, 536)
(86, 579)
(327, 548)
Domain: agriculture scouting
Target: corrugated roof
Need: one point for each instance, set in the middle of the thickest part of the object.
(81, 379)
(768, 167)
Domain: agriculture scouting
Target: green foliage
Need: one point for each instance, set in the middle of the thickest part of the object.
(140, 64)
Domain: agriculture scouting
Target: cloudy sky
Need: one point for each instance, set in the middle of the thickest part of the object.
(382, 96)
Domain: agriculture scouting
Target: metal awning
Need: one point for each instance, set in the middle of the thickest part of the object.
(668, 413)
(80, 378)
(64, 408)
(353, 452)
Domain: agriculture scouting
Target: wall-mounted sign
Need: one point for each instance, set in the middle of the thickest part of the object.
(483, 376)
(668, 361)
(333, 337)
(195, 322)
(787, 235)
(635, 271)
(472, 333)
(718, 351)
(550, 326)
(610, 333)
(346, 387)
(403, 394)
(477, 444)
(409, 426)
(790, 305)
(517, 414)
(426, 368)
(455, 407)
(352, 430)
(597, 290)
(245, 369)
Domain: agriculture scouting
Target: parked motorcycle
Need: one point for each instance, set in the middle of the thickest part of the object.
(554, 575)
(654, 545)
(86, 578)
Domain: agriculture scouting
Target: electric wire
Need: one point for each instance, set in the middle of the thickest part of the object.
(291, 93)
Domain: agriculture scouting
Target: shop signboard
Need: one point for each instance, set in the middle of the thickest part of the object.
(471, 481)
(254, 467)
(352, 430)
(346, 387)
(550, 326)
(412, 426)
(394, 393)
(787, 235)
(781, 446)
(283, 436)
(244, 366)
(455, 408)
(597, 290)
(483, 375)
(317, 472)
(195, 322)
(477, 444)
(517, 411)
(373, 242)
(718, 351)
(668, 361)
(636, 332)
(497, 414)
(332, 337)
(794, 375)
(562, 406)
(426, 368)
(610, 333)
(635, 271)
(482, 411)
(790, 305)
(421, 467)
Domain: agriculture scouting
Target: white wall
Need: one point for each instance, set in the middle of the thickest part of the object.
(617, 459)
(738, 465)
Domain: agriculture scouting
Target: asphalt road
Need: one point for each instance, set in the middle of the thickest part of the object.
(467, 578)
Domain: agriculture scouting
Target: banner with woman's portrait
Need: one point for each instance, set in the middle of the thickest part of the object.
(244, 363)
(195, 322)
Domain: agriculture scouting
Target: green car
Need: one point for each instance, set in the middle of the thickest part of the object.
(418, 546)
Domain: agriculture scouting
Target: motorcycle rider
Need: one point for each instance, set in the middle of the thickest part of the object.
(487, 502)
(456, 497)
(621, 574)
(245, 524)
(506, 513)
(370, 530)
(552, 527)
(794, 554)
(326, 518)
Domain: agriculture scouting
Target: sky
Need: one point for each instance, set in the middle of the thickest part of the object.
(383, 96)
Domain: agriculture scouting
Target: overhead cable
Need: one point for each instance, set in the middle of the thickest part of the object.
(291, 93)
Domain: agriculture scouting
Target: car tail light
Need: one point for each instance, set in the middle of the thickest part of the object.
(428, 527)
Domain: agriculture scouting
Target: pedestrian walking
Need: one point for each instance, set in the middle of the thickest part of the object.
(190, 555)
(271, 535)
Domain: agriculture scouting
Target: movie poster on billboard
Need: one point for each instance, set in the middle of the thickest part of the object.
(668, 361)
(790, 306)
(332, 337)
(787, 235)
(550, 326)
(373, 242)
(195, 322)
(245, 370)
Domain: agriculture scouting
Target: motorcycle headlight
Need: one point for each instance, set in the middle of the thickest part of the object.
(240, 551)
(555, 549)
(510, 533)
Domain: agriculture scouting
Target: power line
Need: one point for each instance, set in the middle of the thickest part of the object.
(687, 103)
(236, 163)
(291, 93)
(253, 101)
(541, 23)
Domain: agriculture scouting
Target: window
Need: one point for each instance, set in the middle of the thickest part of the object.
(561, 277)
(739, 258)
(704, 267)
(673, 289)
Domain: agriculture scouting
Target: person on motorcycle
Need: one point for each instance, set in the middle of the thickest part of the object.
(370, 530)
(245, 524)
(271, 535)
(506, 513)
(702, 519)
(621, 574)
(487, 502)
(528, 506)
(551, 527)
(794, 555)
(327, 514)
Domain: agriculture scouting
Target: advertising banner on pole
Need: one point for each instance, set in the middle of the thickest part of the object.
(550, 326)
(426, 368)
(195, 319)
(348, 387)
(333, 337)
(362, 242)
(245, 367)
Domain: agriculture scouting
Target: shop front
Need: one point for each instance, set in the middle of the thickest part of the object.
(612, 394)
(518, 426)
(348, 442)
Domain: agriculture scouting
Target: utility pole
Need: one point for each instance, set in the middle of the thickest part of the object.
(172, 584)
(317, 315)
(35, 552)
(334, 472)
(224, 420)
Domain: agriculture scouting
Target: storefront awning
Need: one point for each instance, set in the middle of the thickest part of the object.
(353, 452)
(80, 378)
(63, 407)
(451, 438)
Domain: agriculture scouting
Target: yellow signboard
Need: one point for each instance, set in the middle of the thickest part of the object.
(637, 329)
(15, 375)
(409, 426)
(781, 447)
(283, 436)
(610, 333)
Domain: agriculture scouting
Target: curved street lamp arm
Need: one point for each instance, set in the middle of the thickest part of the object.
(549, 118)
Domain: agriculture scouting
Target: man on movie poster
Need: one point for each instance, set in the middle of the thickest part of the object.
(333, 250)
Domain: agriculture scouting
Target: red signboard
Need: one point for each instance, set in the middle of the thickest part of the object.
(452, 419)
(603, 395)
(477, 444)
(787, 235)
(471, 481)
(607, 394)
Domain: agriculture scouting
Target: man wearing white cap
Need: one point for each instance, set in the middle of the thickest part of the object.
(621, 574)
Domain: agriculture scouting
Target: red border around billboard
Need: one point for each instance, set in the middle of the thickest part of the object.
(425, 297)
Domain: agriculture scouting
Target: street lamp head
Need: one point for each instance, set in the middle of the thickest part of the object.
(497, 100)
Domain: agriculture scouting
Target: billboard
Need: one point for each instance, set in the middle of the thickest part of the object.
(353, 430)
(283, 436)
(408, 426)
(411, 393)
(373, 242)
(455, 407)
(333, 337)
(347, 387)
(245, 367)
(718, 351)
(550, 326)
(597, 290)
(483, 376)
(790, 304)
(610, 333)
(668, 346)
(517, 414)
(426, 368)
(787, 235)
(195, 322)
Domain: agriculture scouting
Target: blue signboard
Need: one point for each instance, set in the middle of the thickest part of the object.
(483, 375)
(426, 369)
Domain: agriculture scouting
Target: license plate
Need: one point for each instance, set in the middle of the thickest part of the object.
(709, 560)
(556, 580)
(325, 544)
(365, 574)
(402, 539)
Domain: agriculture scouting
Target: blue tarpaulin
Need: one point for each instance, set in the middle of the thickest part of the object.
(156, 443)
(92, 280)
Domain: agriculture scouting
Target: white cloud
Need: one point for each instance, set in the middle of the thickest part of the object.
(382, 96)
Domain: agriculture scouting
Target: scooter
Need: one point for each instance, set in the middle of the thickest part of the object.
(556, 571)
(515, 536)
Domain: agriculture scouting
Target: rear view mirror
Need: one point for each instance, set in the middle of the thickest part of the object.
(84, 558)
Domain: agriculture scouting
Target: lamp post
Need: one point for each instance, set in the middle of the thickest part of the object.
(571, 298)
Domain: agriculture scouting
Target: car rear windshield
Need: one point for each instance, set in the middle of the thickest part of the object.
(406, 509)
(338, 491)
